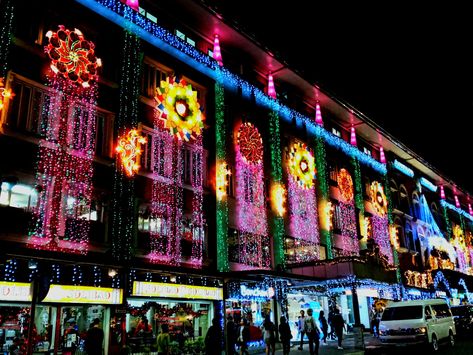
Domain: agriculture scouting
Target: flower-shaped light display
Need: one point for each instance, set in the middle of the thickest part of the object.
(179, 108)
(378, 198)
(129, 151)
(5, 94)
(302, 165)
(250, 143)
(345, 185)
(72, 56)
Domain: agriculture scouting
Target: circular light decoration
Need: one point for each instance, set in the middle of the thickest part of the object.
(345, 185)
(179, 108)
(302, 165)
(72, 57)
(251, 144)
(378, 198)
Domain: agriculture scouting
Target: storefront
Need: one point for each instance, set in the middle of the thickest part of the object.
(187, 310)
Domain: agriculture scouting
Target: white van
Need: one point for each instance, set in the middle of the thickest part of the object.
(417, 322)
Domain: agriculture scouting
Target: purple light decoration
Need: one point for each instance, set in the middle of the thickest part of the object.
(217, 54)
(442, 193)
(380, 230)
(303, 220)
(352, 136)
(318, 115)
(271, 88)
(382, 157)
(470, 210)
(457, 202)
(133, 4)
(348, 228)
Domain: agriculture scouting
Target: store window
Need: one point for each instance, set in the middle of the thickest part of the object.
(18, 195)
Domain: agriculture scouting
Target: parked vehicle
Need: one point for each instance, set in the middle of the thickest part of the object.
(418, 322)
(463, 317)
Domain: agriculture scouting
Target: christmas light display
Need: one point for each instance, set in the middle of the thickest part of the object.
(221, 180)
(403, 168)
(65, 158)
(129, 151)
(6, 29)
(345, 185)
(278, 199)
(382, 157)
(302, 165)
(217, 54)
(324, 195)
(5, 94)
(359, 200)
(271, 88)
(457, 201)
(459, 243)
(348, 232)
(134, 4)
(378, 198)
(427, 184)
(318, 115)
(72, 56)
(380, 232)
(442, 192)
(352, 136)
(179, 108)
(417, 279)
(458, 210)
(250, 204)
(470, 209)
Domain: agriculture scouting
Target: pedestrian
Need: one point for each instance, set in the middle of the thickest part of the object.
(324, 326)
(311, 328)
(94, 339)
(213, 339)
(331, 334)
(163, 340)
(300, 327)
(244, 336)
(269, 336)
(232, 335)
(339, 325)
(285, 335)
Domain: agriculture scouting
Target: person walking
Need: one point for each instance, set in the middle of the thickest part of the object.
(339, 325)
(285, 335)
(311, 328)
(269, 336)
(244, 336)
(300, 327)
(213, 339)
(324, 326)
(231, 336)
(94, 339)
(163, 340)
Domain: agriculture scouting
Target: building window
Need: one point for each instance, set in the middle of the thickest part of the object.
(149, 16)
(18, 196)
(336, 132)
(404, 199)
(190, 41)
(185, 38)
(367, 151)
(153, 74)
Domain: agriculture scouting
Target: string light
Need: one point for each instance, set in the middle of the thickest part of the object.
(382, 157)
(352, 136)
(221, 182)
(458, 210)
(77, 275)
(6, 36)
(97, 276)
(55, 274)
(217, 54)
(403, 168)
(457, 201)
(11, 267)
(378, 198)
(129, 151)
(271, 89)
(318, 115)
(380, 232)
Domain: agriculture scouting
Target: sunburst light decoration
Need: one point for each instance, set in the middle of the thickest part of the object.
(302, 165)
(129, 151)
(5, 94)
(345, 185)
(378, 198)
(250, 144)
(179, 108)
(72, 56)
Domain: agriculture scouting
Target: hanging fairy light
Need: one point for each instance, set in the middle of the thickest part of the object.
(129, 151)
(222, 180)
(278, 198)
(378, 198)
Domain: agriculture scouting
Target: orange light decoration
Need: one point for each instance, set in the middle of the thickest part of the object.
(345, 185)
(5, 94)
(222, 180)
(378, 198)
(129, 151)
(278, 198)
(393, 233)
(328, 210)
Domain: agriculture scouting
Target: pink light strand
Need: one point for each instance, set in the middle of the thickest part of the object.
(442, 192)
(352, 136)
(380, 230)
(318, 115)
(217, 54)
(470, 210)
(457, 202)
(271, 88)
(382, 157)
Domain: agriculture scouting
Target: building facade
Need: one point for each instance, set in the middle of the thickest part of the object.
(160, 167)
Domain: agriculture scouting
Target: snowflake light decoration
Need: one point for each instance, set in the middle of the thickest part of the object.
(178, 107)
(251, 144)
(129, 151)
(378, 198)
(345, 185)
(302, 165)
(72, 57)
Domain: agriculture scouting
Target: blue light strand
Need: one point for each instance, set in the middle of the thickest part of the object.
(465, 214)
(131, 20)
(403, 168)
(427, 184)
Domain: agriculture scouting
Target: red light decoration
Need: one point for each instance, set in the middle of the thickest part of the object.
(345, 185)
(302, 165)
(72, 56)
(129, 151)
(378, 198)
(179, 109)
(250, 144)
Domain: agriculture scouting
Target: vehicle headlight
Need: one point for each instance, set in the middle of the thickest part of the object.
(383, 332)
(422, 330)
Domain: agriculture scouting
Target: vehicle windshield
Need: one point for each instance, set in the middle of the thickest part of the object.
(401, 313)
(459, 311)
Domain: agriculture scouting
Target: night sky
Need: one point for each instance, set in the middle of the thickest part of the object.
(406, 68)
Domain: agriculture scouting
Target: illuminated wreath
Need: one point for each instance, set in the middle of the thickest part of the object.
(378, 198)
(250, 143)
(302, 165)
(72, 56)
(345, 185)
(179, 109)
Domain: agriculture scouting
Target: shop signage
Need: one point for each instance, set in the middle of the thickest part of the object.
(157, 289)
(442, 294)
(256, 292)
(84, 294)
(15, 291)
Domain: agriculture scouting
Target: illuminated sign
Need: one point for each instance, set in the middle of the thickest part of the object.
(84, 294)
(403, 168)
(156, 289)
(441, 294)
(427, 184)
(256, 292)
(15, 291)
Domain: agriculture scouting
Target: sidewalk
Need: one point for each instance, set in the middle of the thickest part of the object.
(331, 347)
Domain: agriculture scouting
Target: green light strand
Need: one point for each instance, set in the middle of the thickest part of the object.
(448, 225)
(359, 201)
(6, 29)
(276, 173)
(124, 226)
(323, 189)
(387, 192)
(222, 206)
